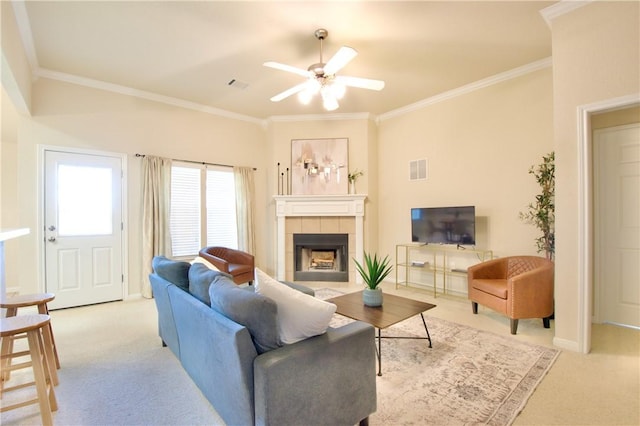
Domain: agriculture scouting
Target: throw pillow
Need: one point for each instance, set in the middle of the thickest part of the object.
(200, 278)
(174, 271)
(299, 315)
(254, 311)
(205, 262)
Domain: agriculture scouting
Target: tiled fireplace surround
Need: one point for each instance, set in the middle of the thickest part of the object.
(318, 214)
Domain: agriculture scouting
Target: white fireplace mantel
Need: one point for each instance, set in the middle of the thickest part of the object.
(318, 205)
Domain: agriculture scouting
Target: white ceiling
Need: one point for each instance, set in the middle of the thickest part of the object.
(190, 51)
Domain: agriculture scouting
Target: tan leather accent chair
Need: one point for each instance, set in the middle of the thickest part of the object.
(239, 264)
(516, 286)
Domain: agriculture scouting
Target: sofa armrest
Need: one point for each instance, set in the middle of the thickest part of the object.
(240, 257)
(302, 288)
(326, 379)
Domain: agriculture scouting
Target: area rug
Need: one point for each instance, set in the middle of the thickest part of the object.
(468, 377)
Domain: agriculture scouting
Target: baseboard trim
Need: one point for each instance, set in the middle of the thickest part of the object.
(569, 345)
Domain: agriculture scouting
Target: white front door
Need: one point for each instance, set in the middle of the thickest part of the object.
(617, 223)
(83, 228)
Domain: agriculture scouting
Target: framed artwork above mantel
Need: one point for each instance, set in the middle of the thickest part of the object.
(319, 166)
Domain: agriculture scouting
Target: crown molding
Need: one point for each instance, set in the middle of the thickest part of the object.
(150, 96)
(562, 8)
(24, 28)
(480, 84)
(10, 85)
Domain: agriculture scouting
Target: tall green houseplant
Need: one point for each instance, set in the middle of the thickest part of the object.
(374, 271)
(541, 213)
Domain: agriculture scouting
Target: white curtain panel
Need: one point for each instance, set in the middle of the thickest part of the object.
(245, 195)
(156, 204)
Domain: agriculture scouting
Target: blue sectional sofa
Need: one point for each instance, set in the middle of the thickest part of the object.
(327, 379)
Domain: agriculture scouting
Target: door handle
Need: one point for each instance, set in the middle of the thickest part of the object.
(51, 239)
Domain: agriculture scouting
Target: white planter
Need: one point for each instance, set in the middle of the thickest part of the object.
(371, 297)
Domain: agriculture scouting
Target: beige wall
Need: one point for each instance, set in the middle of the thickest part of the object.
(479, 148)
(596, 57)
(68, 115)
(9, 214)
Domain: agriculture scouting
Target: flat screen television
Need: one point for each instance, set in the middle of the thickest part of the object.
(444, 225)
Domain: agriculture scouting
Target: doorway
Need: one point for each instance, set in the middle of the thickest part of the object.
(586, 258)
(617, 224)
(83, 226)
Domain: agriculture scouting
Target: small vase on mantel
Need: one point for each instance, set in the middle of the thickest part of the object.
(372, 297)
(352, 187)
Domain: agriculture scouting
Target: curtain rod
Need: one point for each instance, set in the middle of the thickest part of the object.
(195, 162)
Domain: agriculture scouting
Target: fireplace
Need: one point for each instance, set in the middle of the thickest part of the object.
(321, 257)
(318, 214)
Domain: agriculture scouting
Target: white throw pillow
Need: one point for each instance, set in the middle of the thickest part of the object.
(299, 315)
(205, 262)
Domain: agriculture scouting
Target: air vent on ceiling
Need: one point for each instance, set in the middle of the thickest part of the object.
(418, 169)
(238, 84)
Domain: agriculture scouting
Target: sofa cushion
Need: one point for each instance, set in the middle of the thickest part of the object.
(174, 271)
(200, 278)
(497, 288)
(252, 310)
(299, 315)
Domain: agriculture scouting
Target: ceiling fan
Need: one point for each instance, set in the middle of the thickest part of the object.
(322, 78)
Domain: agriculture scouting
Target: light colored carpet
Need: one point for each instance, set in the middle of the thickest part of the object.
(115, 372)
(468, 377)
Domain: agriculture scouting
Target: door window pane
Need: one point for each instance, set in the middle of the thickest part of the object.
(84, 200)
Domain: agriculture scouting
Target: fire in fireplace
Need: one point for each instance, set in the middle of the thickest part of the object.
(321, 257)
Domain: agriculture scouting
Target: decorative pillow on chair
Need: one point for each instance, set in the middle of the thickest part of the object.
(299, 315)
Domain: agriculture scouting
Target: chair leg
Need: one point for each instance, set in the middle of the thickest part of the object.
(545, 322)
(474, 307)
(514, 326)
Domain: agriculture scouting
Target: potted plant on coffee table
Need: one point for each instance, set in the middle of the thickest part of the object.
(373, 272)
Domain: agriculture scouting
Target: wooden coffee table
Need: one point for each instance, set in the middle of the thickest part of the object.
(394, 309)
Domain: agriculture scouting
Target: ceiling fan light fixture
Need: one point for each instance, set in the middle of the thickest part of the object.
(329, 101)
(312, 87)
(338, 89)
(321, 77)
(305, 97)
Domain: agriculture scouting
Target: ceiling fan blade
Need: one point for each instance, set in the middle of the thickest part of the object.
(288, 68)
(363, 83)
(292, 91)
(339, 60)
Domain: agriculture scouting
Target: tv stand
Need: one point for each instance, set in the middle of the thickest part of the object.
(427, 265)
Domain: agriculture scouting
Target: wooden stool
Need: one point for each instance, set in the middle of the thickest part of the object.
(33, 326)
(11, 304)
